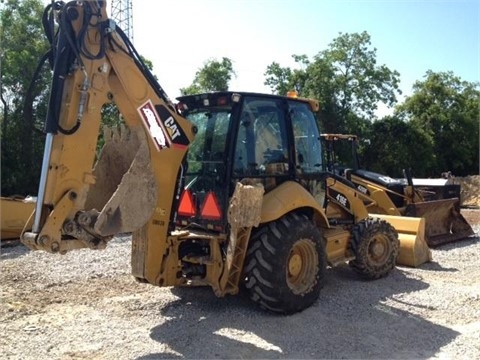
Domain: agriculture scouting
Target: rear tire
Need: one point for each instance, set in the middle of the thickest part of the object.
(285, 264)
(376, 246)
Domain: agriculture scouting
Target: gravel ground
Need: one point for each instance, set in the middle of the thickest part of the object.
(86, 305)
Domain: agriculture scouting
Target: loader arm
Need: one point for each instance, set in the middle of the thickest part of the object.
(133, 185)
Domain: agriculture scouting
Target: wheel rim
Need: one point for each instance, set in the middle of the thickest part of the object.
(378, 249)
(302, 266)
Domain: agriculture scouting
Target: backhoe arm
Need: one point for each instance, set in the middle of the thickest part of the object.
(133, 185)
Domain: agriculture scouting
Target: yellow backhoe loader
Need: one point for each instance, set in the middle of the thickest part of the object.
(437, 202)
(219, 190)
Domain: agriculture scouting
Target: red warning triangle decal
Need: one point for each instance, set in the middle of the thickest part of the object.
(210, 208)
(186, 207)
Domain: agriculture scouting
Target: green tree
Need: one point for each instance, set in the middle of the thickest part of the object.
(279, 79)
(282, 80)
(213, 76)
(345, 78)
(394, 145)
(446, 109)
(24, 106)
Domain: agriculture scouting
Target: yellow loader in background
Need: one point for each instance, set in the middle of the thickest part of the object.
(436, 201)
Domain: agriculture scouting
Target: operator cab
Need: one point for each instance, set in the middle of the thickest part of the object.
(245, 137)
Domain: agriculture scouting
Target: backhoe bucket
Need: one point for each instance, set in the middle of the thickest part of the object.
(443, 221)
(414, 250)
(124, 194)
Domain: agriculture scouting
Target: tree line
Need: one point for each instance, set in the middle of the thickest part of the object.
(433, 130)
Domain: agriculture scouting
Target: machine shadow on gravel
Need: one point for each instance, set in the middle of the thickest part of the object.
(351, 319)
(469, 241)
(435, 266)
(12, 249)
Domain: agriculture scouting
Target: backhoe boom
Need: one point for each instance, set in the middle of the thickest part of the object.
(133, 185)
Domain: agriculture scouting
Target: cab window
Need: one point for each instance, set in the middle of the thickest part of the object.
(308, 150)
(261, 140)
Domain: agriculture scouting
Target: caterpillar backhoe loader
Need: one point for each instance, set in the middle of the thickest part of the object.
(219, 190)
(438, 204)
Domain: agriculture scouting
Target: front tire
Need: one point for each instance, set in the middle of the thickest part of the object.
(285, 264)
(376, 246)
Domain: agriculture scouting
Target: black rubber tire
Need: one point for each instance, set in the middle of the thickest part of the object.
(285, 264)
(375, 245)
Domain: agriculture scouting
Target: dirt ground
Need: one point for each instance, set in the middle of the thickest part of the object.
(86, 305)
(470, 190)
(472, 216)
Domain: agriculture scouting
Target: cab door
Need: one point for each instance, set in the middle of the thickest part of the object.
(262, 149)
(308, 149)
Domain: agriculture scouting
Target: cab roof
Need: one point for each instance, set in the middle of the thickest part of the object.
(190, 100)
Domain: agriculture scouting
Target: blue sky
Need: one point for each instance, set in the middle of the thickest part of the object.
(178, 36)
(410, 36)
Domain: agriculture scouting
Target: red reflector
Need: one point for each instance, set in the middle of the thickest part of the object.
(210, 208)
(186, 207)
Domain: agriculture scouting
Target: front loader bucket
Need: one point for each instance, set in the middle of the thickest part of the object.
(414, 250)
(124, 194)
(443, 221)
(14, 214)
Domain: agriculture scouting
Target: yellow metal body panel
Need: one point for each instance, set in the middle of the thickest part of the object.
(14, 214)
(287, 197)
(383, 203)
(414, 250)
(336, 245)
(348, 198)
